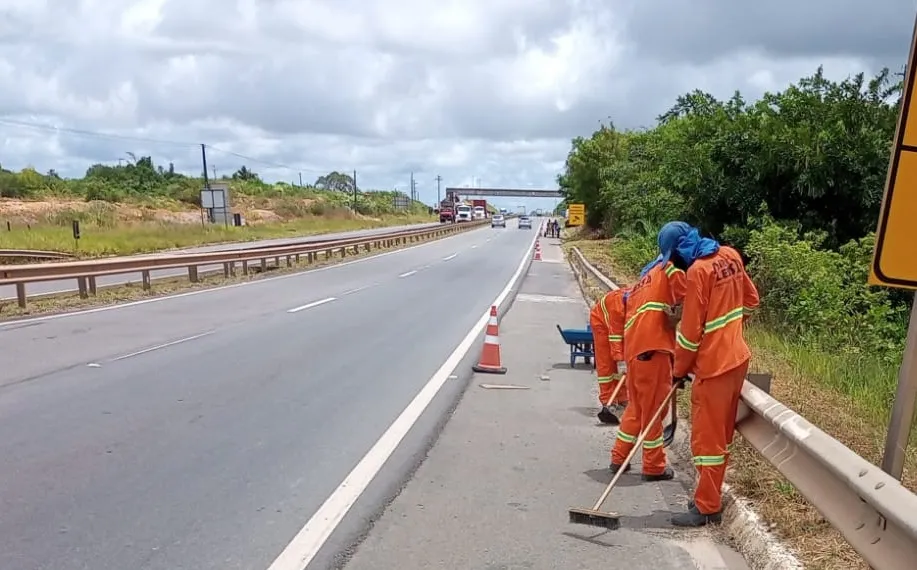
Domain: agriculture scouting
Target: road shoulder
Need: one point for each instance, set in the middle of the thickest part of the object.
(494, 490)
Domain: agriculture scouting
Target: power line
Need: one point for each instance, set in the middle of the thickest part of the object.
(131, 138)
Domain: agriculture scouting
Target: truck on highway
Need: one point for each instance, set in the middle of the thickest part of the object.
(463, 213)
(479, 209)
(446, 211)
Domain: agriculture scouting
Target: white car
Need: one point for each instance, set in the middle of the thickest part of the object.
(525, 222)
(498, 220)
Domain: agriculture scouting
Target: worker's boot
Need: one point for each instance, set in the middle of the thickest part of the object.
(694, 518)
(614, 468)
(606, 416)
(666, 475)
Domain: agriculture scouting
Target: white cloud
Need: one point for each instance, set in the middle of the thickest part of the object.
(488, 90)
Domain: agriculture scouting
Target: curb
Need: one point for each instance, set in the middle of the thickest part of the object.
(741, 524)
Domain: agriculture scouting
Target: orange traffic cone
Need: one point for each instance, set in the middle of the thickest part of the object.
(490, 355)
(537, 251)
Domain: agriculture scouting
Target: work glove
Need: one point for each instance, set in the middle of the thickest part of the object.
(680, 382)
(674, 314)
(622, 368)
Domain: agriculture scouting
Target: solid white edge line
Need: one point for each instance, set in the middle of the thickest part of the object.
(408, 273)
(6, 324)
(158, 346)
(309, 540)
(453, 256)
(312, 304)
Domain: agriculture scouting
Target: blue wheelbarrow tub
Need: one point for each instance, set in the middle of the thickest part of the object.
(580, 342)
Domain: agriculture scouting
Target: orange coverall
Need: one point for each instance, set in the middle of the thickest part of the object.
(711, 344)
(608, 344)
(649, 343)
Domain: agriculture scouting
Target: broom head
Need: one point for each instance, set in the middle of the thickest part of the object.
(591, 517)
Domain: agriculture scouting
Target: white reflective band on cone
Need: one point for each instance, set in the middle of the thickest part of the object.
(490, 339)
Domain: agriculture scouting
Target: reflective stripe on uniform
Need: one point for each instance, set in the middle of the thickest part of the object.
(606, 379)
(686, 344)
(749, 310)
(720, 322)
(604, 309)
(653, 444)
(626, 437)
(646, 307)
(615, 338)
(709, 327)
(671, 270)
(709, 460)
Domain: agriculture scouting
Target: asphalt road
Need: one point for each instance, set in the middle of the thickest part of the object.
(51, 287)
(202, 431)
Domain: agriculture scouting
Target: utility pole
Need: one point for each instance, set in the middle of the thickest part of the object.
(439, 197)
(412, 187)
(300, 180)
(206, 182)
(354, 191)
(214, 168)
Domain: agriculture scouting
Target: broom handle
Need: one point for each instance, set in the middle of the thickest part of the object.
(617, 389)
(633, 451)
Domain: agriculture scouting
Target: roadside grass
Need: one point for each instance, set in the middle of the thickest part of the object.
(835, 392)
(104, 237)
(133, 291)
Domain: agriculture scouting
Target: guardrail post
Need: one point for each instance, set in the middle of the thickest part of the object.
(81, 285)
(145, 280)
(93, 287)
(297, 258)
(310, 257)
(277, 261)
(343, 252)
(368, 246)
(226, 270)
(192, 274)
(328, 254)
(20, 295)
(263, 264)
(245, 267)
(290, 260)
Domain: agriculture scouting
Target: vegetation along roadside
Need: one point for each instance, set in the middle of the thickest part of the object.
(794, 181)
(138, 207)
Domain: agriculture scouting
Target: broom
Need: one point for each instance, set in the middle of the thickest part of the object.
(595, 517)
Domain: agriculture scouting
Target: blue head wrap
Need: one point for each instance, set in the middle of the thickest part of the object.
(683, 238)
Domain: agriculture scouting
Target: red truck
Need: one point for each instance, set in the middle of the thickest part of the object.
(446, 212)
(447, 207)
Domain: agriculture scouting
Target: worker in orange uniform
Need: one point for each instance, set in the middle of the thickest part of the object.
(710, 344)
(649, 348)
(609, 356)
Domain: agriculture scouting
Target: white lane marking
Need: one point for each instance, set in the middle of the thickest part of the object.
(312, 304)
(6, 324)
(450, 257)
(94, 365)
(358, 289)
(475, 246)
(159, 346)
(408, 274)
(307, 542)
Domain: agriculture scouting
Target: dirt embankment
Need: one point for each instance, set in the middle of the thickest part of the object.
(60, 211)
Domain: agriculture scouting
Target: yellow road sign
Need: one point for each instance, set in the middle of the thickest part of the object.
(577, 215)
(894, 260)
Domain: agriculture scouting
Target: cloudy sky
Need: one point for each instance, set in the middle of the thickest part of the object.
(481, 92)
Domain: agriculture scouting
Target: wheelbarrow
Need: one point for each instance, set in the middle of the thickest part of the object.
(580, 343)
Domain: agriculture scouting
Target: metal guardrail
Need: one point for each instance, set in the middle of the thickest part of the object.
(33, 254)
(872, 510)
(86, 272)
